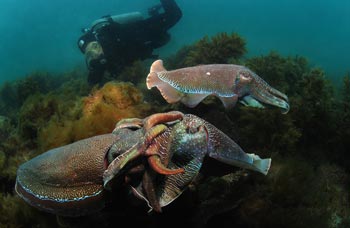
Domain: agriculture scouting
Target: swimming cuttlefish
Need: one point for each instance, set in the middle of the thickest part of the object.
(157, 157)
(228, 82)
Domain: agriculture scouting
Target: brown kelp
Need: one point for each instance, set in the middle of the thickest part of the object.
(221, 48)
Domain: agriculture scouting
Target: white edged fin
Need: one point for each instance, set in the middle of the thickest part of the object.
(157, 66)
(229, 102)
(261, 165)
(169, 93)
(152, 78)
(137, 192)
(192, 100)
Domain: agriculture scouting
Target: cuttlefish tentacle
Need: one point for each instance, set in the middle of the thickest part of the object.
(160, 118)
(181, 145)
(135, 151)
(129, 123)
(263, 92)
(141, 148)
(155, 161)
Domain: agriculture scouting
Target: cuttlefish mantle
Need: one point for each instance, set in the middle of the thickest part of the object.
(228, 82)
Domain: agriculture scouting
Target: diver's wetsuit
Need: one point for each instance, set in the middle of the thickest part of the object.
(122, 44)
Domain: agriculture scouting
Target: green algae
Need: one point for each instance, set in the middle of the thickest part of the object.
(220, 48)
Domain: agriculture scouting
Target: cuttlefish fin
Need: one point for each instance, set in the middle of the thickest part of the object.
(260, 165)
(138, 193)
(148, 184)
(170, 94)
(229, 102)
(188, 156)
(192, 100)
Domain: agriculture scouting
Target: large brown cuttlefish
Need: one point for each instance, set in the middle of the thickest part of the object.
(228, 82)
(166, 150)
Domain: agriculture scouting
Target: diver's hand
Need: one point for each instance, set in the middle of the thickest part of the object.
(154, 10)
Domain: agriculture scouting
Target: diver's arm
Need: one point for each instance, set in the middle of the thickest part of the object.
(172, 13)
(167, 19)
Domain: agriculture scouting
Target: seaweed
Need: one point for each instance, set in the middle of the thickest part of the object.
(220, 48)
(16, 213)
(266, 132)
(134, 73)
(313, 107)
(294, 194)
(93, 115)
(280, 72)
(340, 140)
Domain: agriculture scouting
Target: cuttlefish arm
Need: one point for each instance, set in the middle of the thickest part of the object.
(251, 102)
(187, 143)
(228, 82)
(262, 92)
(183, 147)
(153, 127)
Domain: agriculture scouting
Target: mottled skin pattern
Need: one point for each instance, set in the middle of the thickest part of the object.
(166, 150)
(184, 144)
(228, 82)
(66, 180)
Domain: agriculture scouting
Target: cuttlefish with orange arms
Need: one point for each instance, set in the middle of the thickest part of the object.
(165, 149)
(69, 180)
(228, 82)
(177, 151)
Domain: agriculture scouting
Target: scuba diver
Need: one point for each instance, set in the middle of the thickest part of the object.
(114, 42)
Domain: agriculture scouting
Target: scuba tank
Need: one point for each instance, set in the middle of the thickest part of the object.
(120, 18)
(89, 34)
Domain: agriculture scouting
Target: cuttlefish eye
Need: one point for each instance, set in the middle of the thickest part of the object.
(245, 76)
(192, 129)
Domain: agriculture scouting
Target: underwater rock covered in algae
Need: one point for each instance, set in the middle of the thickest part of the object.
(14, 94)
(99, 112)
